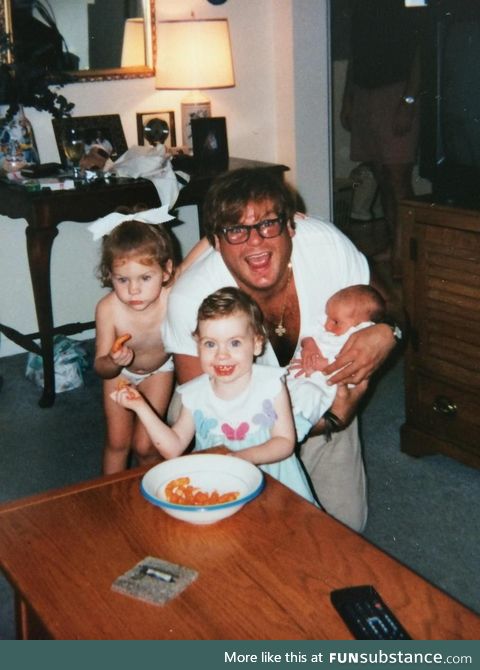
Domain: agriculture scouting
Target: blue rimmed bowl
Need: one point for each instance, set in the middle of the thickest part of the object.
(208, 472)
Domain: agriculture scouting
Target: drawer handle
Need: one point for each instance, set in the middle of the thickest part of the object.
(444, 406)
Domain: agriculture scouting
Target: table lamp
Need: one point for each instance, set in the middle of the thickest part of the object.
(133, 47)
(192, 55)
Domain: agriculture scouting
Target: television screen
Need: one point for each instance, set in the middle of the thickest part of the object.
(450, 137)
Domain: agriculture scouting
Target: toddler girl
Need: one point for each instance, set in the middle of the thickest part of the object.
(138, 265)
(236, 403)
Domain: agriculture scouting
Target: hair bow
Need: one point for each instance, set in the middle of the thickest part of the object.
(106, 224)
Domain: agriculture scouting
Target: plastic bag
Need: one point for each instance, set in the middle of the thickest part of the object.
(70, 360)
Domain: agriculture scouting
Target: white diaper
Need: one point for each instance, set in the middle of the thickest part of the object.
(135, 378)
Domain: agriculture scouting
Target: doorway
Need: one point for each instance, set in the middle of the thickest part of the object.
(356, 207)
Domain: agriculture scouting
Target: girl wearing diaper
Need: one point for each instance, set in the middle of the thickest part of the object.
(137, 263)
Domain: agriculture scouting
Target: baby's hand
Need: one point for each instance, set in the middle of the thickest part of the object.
(311, 356)
(127, 396)
(297, 365)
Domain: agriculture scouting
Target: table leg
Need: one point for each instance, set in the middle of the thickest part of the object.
(29, 626)
(39, 249)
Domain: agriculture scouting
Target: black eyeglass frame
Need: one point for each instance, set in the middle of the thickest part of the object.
(258, 229)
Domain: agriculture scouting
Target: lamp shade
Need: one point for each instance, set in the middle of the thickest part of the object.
(194, 54)
(133, 48)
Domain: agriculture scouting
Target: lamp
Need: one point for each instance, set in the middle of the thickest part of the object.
(192, 55)
(133, 47)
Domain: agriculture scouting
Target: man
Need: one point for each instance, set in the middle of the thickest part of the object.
(290, 272)
(380, 103)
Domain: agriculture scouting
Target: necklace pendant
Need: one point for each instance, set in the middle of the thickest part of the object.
(280, 330)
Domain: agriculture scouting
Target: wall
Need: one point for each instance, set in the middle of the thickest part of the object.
(311, 33)
(278, 112)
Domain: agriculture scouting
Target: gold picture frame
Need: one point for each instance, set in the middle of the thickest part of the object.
(109, 126)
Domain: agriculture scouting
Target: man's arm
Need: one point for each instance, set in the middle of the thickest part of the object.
(344, 406)
(186, 367)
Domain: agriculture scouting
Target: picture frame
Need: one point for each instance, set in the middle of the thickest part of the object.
(168, 116)
(105, 129)
(210, 143)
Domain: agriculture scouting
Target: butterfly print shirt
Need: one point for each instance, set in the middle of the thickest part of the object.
(244, 421)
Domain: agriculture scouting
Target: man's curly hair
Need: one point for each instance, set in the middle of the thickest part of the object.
(231, 192)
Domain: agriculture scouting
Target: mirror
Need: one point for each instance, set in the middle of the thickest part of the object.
(96, 39)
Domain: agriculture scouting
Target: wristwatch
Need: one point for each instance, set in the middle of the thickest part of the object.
(332, 424)
(409, 99)
(396, 330)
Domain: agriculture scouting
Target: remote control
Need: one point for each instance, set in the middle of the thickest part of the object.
(366, 615)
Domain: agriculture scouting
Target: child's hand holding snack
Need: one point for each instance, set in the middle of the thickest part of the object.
(121, 354)
(127, 395)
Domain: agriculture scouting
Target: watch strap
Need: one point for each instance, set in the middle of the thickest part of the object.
(332, 424)
(396, 330)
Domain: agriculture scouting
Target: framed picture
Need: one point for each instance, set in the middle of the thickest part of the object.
(104, 130)
(157, 129)
(209, 139)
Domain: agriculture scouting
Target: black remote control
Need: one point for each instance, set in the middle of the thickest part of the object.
(366, 615)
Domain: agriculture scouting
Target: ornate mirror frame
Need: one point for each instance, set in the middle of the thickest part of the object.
(134, 72)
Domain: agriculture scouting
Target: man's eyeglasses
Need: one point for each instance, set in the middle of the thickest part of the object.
(266, 229)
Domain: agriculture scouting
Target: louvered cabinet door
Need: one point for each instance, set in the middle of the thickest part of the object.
(442, 361)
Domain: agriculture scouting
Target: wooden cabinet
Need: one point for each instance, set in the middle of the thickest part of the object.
(442, 300)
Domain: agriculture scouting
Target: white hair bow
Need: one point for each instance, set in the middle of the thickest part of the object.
(106, 224)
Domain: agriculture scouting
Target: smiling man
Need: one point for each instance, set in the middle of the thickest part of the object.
(290, 266)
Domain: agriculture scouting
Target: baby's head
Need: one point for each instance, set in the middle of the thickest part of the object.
(353, 305)
(145, 243)
(230, 325)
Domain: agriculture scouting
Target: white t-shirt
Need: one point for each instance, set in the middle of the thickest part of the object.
(323, 261)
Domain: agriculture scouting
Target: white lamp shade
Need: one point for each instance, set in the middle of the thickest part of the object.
(133, 48)
(194, 54)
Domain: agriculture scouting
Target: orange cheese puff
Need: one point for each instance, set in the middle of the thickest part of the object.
(119, 342)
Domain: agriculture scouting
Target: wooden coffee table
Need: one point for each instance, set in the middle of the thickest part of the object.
(265, 573)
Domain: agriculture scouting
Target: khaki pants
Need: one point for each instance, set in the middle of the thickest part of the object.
(338, 476)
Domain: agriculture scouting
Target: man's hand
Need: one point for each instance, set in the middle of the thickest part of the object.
(361, 355)
(403, 119)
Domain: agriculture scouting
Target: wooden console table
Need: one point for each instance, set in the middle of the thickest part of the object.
(441, 293)
(44, 210)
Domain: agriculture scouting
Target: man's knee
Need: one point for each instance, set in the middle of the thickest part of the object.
(337, 474)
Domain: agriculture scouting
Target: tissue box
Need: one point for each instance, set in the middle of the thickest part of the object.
(70, 361)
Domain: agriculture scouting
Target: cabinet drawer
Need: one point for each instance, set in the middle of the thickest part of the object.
(447, 411)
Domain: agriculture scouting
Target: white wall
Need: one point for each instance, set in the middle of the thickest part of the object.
(277, 112)
(311, 34)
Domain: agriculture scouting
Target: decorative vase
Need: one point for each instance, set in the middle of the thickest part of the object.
(17, 143)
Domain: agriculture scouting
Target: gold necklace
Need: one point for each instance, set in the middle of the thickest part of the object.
(280, 329)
